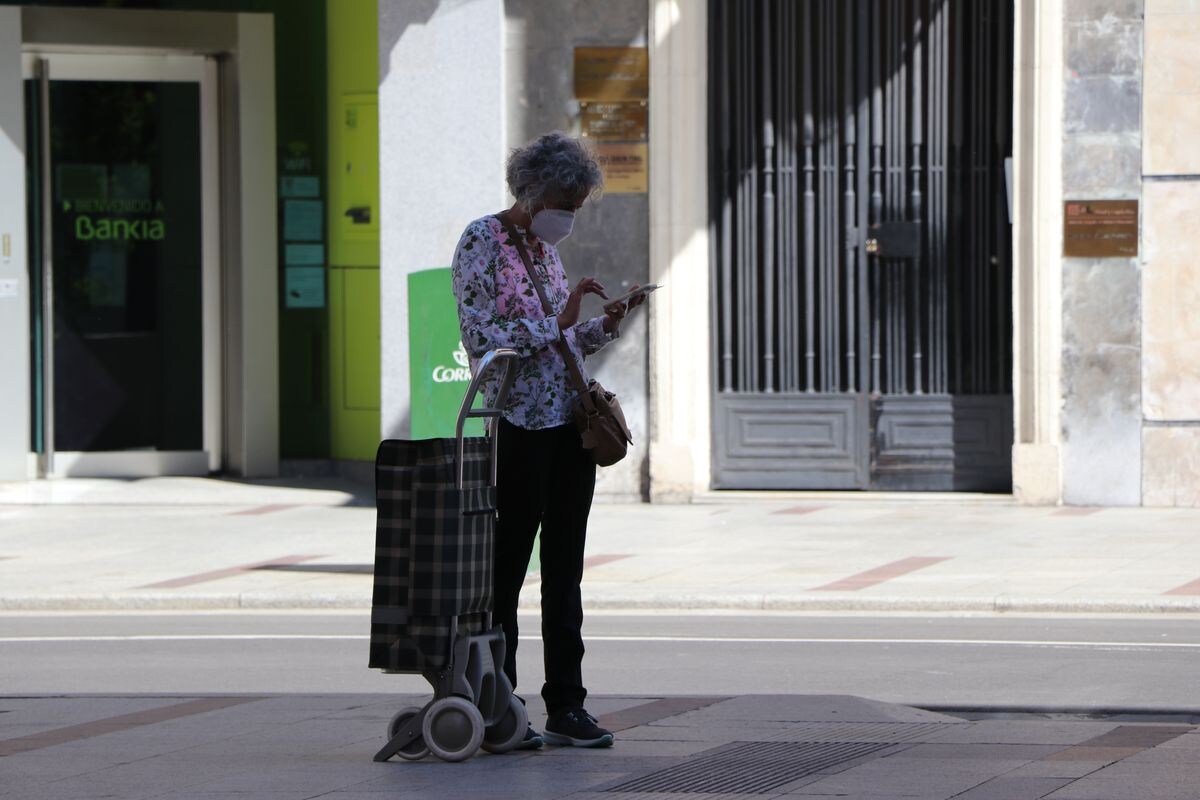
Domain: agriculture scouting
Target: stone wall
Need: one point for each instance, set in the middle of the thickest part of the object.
(1171, 273)
(611, 239)
(1101, 298)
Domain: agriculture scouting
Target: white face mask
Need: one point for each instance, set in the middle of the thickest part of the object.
(552, 225)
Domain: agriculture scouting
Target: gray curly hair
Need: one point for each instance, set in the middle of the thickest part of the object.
(553, 164)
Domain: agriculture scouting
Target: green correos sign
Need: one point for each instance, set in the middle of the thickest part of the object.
(438, 370)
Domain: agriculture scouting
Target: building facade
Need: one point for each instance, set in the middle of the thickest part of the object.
(906, 245)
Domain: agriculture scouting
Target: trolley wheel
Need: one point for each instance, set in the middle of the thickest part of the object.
(415, 749)
(453, 728)
(509, 731)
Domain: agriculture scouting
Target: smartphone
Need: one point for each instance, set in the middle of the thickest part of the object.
(647, 289)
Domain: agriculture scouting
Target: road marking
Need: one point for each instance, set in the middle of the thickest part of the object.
(217, 574)
(878, 575)
(242, 637)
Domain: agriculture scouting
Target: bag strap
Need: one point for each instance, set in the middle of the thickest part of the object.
(560, 343)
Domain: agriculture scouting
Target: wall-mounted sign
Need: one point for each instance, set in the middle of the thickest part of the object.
(612, 73)
(1100, 228)
(299, 186)
(625, 165)
(304, 287)
(304, 255)
(303, 220)
(622, 120)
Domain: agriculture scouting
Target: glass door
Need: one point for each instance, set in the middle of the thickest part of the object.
(123, 176)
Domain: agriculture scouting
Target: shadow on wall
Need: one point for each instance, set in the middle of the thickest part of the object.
(395, 17)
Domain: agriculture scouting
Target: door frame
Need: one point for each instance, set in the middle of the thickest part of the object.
(47, 65)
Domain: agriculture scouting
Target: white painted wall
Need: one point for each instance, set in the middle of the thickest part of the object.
(441, 140)
(14, 299)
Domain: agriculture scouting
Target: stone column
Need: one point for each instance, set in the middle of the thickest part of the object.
(680, 388)
(1101, 368)
(1171, 271)
(14, 277)
(1037, 249)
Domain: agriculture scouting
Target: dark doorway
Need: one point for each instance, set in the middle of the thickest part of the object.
(862, 264)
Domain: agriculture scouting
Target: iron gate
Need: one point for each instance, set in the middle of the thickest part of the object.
(861, 243)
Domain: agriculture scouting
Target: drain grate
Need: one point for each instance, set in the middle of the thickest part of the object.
(750, 767)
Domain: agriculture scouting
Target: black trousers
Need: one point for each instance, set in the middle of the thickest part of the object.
(545, 479)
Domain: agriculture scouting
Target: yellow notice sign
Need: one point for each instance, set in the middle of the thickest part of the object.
(612, 73)
(626, 167)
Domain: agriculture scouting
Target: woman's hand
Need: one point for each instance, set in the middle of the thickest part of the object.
(615, 312)
(570, 315)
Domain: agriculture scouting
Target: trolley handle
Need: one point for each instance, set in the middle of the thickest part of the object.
(507, 358)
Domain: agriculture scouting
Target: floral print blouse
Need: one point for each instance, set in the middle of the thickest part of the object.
(498, 307)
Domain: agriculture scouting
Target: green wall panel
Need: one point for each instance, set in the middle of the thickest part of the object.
(354, 336)
(353, 223)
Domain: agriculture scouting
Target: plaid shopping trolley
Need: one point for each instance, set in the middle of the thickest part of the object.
(432, 599)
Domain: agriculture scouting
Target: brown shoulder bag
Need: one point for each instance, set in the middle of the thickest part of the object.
(597, 412)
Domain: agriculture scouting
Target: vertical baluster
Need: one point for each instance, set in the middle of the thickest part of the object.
(819, 86)
(916, 168)
(747, 198)
(958, 266)
(753, 151)
(1003, 112)
(937, 194)
(900, 206)
(863, 21)
(892, 187)
(791, 301)
(767, 305)
(979, 186)
(728, 179)
(807, 56)
(831, 179)
(850, 139)
(877, 121)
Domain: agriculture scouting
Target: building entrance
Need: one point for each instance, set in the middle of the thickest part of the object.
(124, 264)
(862, 253)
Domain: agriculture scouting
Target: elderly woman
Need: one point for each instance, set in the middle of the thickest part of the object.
(546, 478)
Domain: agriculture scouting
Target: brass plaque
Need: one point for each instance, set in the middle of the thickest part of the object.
(1100, 228)
(612, 73)
(622, 121)
(625, 165)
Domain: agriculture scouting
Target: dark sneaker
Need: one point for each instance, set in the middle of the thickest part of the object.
(532, 741)
(576, 728)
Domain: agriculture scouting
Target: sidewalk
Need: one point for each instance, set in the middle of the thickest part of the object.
(178, 543)
(301, 746)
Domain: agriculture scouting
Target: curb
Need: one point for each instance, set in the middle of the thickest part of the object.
(620, 602)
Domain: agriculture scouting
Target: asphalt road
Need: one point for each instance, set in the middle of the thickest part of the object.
(1010, 662)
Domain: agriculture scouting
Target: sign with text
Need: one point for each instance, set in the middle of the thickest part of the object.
(625, 165)
(612, 73)
(1100, 228)
(624, 120)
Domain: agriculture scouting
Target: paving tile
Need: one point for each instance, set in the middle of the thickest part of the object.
(1011, 752)
(1057, 769)
(1006, 788)
(900, 776)
(1025, 732)
(1083, 753)
(1091, 788)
